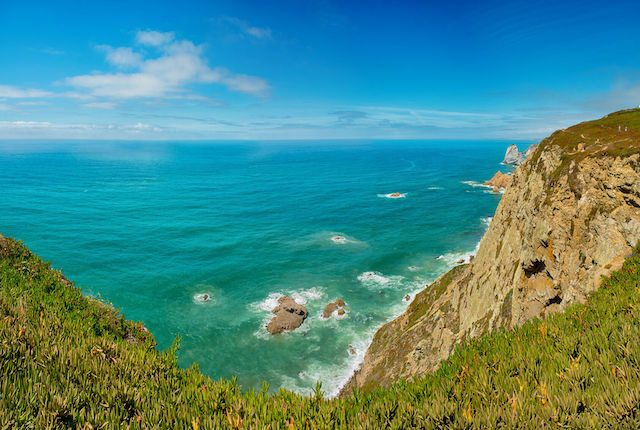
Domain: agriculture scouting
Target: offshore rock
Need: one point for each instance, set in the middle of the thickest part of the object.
(289, 315)
(513, 157)
(570, 214)
(499, 181)
(331, 307)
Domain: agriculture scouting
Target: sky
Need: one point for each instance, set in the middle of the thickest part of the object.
(313, 69)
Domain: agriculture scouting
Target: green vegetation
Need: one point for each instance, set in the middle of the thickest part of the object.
(615, 135)
(69, 361)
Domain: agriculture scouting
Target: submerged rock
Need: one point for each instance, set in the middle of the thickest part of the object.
(289, 315)
(331, 307)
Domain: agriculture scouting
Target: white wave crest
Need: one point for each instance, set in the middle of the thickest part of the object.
(377, 281)
(393, 195)
(202, 298)
(476, 184)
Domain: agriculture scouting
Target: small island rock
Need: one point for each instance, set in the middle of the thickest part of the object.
(289, 315)
(499, 180)
(331, 307)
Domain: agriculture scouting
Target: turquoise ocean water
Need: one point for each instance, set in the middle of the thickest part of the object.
(151, 227)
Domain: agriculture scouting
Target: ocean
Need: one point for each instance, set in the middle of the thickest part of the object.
(153, 227)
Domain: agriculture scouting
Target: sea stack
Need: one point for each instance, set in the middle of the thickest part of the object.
(513, 157)
(289, 315)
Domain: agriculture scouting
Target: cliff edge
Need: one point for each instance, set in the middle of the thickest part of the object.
(570, 214)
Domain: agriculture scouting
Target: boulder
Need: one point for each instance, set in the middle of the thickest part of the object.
(289, 315)
(331, 307)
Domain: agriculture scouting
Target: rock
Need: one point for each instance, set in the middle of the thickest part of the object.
(581, 146)
(331, 307)
(407, 297)
(289, 315)
(513, 157)
(340, 311)
(460, 261)
(351, 350)
(530, 150)
(499, 181)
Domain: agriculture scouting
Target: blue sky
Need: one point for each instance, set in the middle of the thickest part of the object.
(313, 69)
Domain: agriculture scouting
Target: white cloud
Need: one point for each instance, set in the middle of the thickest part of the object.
(100, 105)
(154, 38)
(247, 28)
(123, 57)
(50, 130)
(11, 92)
(240, 82)
(180, 64)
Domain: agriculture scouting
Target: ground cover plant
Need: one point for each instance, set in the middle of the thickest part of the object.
(68, 361)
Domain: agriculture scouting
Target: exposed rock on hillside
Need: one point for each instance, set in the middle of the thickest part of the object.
(289, 315)
(570, 214)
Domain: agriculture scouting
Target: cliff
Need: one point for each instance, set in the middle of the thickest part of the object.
(570, 214)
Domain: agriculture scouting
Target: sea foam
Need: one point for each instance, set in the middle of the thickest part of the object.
(393, 195)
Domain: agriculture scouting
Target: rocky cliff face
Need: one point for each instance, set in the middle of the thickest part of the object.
(570, 214)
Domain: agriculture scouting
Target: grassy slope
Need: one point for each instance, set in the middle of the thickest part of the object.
(599, 138)
(66, 360)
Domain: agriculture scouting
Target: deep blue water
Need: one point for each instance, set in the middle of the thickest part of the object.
(151, 226)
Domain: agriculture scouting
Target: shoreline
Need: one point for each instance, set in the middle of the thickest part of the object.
(356, 364)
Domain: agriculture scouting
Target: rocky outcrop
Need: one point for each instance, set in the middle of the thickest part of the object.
(514, 157)
(498, 182)
(289, 315)
(569, 215)
(337, 304)
(530, 150)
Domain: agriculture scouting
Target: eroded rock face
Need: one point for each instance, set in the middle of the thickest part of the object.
(530, 150)
(289, 315)
(331, 307)
(499, 181)
(568, 216)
